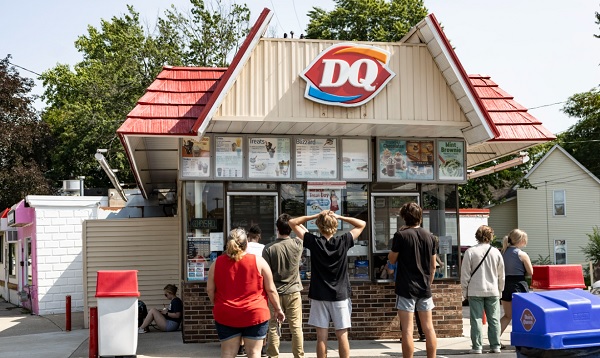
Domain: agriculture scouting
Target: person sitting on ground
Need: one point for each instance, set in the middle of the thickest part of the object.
(169, 318)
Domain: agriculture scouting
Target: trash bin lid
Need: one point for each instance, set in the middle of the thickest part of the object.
(117, 284)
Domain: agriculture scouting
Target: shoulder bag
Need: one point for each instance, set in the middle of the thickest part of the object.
(466, 301)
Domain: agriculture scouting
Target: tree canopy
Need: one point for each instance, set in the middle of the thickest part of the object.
(365, 20)
(25, 143)
(121, 58)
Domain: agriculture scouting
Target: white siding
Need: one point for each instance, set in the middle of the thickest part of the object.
(59, 265)
(152, 246)
(503, 218)
(559, 172)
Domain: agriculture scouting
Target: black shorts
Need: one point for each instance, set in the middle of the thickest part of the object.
(514, 284)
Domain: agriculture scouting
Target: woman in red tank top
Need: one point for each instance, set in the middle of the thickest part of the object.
(238, 286)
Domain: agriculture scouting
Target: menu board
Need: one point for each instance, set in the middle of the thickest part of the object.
(451, 160)
(269, 157)
(355, 159)
(228, 157)
(198, 254)
(419, 155)
(405, 160)
(392, 159)
(316, 158)
(195, 158)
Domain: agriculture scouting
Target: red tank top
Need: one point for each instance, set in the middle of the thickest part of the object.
(240, 299)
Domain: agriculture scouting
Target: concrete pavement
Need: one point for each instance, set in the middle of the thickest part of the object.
(26, 335)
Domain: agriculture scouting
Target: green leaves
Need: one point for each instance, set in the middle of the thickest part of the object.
(366, 20)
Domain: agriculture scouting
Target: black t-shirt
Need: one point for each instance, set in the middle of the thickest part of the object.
(416, 249)
(329, 266)
(175, 306)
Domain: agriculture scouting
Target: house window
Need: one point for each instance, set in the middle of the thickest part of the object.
(560, 203)
(560, 252)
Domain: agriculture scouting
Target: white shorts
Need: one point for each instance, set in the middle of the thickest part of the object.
(322, 312)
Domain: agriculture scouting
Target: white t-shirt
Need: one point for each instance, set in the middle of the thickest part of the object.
(255, 248)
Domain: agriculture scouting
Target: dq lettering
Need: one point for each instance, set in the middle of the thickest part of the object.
(350, 73)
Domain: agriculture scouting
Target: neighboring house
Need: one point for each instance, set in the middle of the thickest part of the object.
(558, 214)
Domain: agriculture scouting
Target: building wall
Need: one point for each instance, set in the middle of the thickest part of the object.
(59, 260)
(535, 208)
(503, 218)
(373, 313)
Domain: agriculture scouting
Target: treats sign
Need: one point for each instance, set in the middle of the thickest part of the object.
(347, 75)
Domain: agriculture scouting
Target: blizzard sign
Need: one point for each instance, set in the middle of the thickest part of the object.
(347, 75)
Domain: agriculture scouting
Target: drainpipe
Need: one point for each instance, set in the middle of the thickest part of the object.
(81, 188)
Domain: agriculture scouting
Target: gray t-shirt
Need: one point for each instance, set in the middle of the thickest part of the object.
(283, 256)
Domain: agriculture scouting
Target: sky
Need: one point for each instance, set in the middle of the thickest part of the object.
(539, 51)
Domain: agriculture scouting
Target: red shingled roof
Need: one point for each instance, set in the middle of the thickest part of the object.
(173, 102)
(511, 119)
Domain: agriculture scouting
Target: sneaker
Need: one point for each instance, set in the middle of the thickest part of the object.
(263, 352)
(495, 350)
(475, 351)
(421, 338)
(502, 346)
(241, 351)
(141, 330)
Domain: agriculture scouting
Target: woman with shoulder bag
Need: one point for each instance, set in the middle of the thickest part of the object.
(482, 281)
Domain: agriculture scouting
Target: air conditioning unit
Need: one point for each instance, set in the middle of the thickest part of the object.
(71, 187)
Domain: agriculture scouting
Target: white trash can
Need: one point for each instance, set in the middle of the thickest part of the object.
(117, 295)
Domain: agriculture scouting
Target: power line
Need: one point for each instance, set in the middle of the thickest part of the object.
(546, 105)
(296, 12)
(23, 68)
(277, 17)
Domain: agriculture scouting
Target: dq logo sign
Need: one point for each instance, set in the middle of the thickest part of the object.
(347, 75)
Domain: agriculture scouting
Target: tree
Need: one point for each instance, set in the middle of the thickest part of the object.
(366, 20)
(25, 143)
(88, 103)
(581, 140)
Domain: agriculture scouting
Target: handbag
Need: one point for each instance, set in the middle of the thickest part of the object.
(466, 300)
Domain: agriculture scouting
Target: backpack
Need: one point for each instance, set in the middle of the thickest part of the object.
(142, 312)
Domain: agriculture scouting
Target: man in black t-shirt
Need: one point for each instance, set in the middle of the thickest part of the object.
(329, 288)
(413, 248)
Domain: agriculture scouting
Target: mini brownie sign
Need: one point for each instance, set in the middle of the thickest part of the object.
(347, 75)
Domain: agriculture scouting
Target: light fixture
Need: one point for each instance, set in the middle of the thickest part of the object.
(111, 175)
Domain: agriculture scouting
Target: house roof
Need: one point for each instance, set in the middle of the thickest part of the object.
(182, 101)
(511, 120)
(562, 150)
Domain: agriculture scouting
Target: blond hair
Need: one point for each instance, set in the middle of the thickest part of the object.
(237, 241)
(327, 223)
(484, 234)
(516, 237)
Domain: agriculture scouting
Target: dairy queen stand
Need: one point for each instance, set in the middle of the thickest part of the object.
(297, 126)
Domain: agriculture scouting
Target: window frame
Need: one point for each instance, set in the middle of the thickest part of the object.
(563, 203)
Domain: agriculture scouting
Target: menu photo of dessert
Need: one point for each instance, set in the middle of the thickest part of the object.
(420, 155)
(392, 159)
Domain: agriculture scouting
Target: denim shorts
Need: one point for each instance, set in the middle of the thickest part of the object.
(409, 304)
(256, 332)
(172, 326)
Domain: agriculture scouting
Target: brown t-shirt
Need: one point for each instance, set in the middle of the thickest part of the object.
(283, 256)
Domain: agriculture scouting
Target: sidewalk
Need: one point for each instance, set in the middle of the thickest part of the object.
(25, 335)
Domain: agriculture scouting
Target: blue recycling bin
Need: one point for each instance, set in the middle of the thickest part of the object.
(560, 323)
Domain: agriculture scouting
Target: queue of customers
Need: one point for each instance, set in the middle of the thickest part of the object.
(254, 288)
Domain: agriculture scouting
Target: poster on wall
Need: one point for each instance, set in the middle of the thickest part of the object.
(323, 196)
(451, 160)
(228, 157)
(419, 155)
(392, 159)
(198, 253)
(269, 157)
(355, 159)
(195, 158)
(316, 158)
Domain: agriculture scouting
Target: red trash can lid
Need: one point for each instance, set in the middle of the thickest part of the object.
(117, 284)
